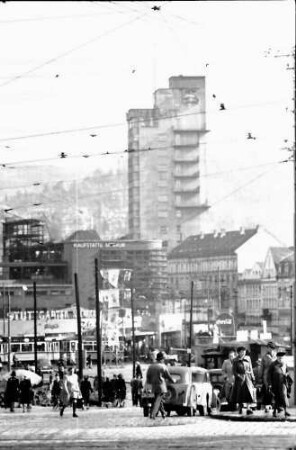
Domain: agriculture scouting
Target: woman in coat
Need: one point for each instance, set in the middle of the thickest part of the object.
(64, 397)
(121, 390)
(12, 391)
(243, 388)
(279, 380)
(25, 393)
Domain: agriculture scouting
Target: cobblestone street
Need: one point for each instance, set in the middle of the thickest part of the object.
(126, 428)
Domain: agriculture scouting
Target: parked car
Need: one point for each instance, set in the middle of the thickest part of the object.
(217, 381)
(191, 392)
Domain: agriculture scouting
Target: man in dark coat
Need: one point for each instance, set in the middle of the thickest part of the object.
(89, 361)
(279, 380)
(86, 390)
(157, 373)
(25, 393)
(113, 390)
(55, 391)
(107, 388)
(136, 388)
(243, 388)
(267, 359)
(138, 370)
(121, 390)
(12, 391)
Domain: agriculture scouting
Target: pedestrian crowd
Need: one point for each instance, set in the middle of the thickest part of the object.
(65, 390)
(18, 391)
(270, 381)
(114, 391)
(268, 384)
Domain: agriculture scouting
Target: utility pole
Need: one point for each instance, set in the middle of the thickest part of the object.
(4, 309)
(292, 158)
(219, 291)
(133, 325)
(190, 324)
(80, 362)
(293, 297)
(8, 331)
(98, 331)
(35, 326)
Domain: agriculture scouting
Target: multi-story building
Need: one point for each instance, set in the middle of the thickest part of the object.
(249, 302)
(272, 288)
(213, 262)
(164, 161)
(28, 258)
(146, 259)
(286, 283)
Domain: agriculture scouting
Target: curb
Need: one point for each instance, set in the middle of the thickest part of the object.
(253, 418)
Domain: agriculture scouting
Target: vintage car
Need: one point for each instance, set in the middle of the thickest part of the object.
(217, 381)
(191, 392)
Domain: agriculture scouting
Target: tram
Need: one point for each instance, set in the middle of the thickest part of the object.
(66, 349)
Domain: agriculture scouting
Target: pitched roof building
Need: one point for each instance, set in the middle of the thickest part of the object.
(222, 243)
(213, 262)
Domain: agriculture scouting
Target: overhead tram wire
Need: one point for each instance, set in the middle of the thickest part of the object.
(66, 156)
(236, 140)
(83, 179)
(137, 121)
(110, 191)
(68, 52)
(63, 200)
(230, 194)
(40, 19)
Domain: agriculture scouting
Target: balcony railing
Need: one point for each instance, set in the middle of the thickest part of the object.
(187, 187)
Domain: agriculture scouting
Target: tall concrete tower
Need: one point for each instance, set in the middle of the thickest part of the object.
(164, 157)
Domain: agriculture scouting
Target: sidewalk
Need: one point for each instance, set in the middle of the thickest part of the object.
(258, 416)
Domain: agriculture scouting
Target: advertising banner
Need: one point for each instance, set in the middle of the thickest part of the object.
(110, 297)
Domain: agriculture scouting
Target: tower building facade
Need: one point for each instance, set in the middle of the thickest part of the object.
(165, 155)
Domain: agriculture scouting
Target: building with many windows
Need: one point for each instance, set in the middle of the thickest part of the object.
(147, 260)
(27, 258)
(286, 283)
(214, 262)
(165, 155)
(273, 286)
(30, 260)
(249, 304)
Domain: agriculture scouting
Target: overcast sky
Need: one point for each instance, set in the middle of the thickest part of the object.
(78, 65)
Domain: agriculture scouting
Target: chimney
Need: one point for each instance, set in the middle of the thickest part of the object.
(215, 233)
(242, 230)
(223, 233)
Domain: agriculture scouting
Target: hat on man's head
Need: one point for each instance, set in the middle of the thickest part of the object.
(271, 345)
(159, 356)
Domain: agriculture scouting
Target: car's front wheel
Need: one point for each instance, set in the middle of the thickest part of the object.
(181, 411)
